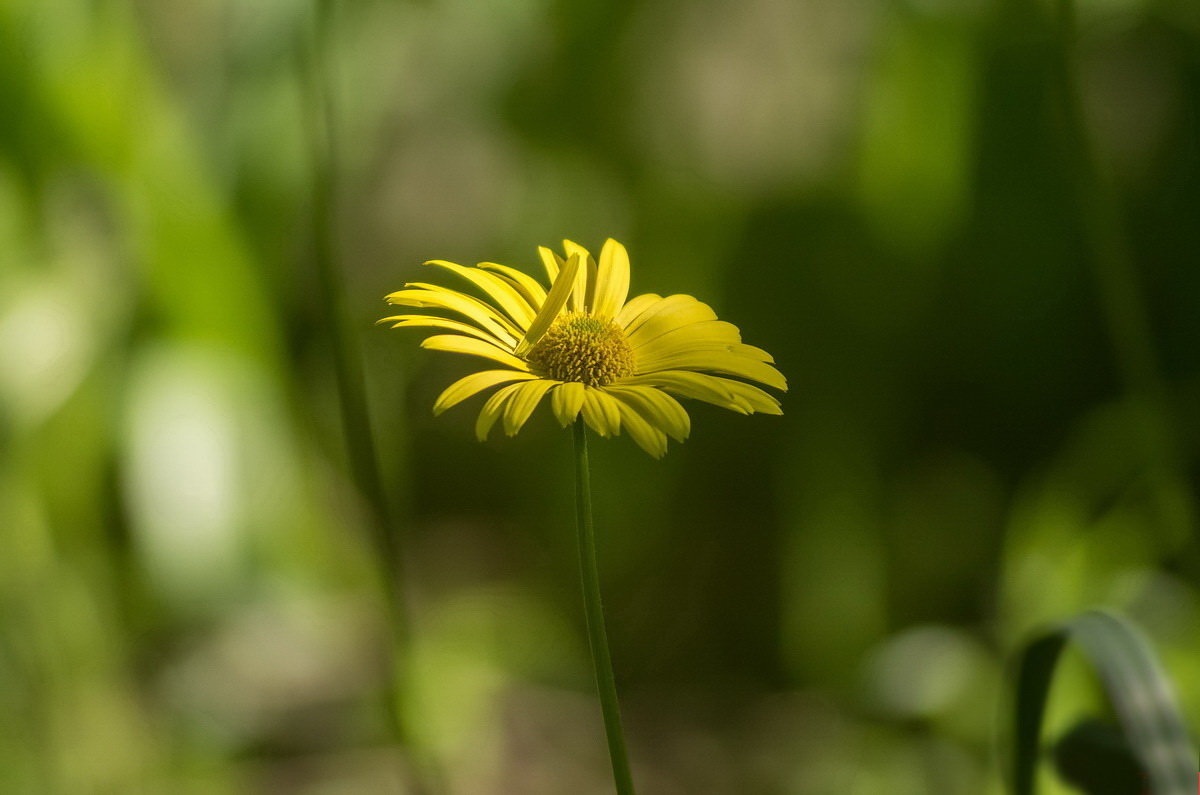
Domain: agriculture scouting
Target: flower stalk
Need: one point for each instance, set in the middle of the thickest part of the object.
(594, 612)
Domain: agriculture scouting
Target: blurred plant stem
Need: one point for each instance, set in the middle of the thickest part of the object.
(594, 611)
(1121, 299)
(347, 359)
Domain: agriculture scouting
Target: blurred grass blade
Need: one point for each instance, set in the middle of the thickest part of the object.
(1143, 697)
(1034, 676)
(1121, 293)
(1134, 682)
(347, 360)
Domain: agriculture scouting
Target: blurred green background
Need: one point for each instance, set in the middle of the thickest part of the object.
(971, 241)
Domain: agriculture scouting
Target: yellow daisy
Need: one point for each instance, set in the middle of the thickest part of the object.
(614, 361)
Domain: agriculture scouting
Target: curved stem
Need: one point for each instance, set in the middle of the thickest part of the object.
(597, 637)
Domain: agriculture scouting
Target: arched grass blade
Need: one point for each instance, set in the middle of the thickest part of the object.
(1134, 682)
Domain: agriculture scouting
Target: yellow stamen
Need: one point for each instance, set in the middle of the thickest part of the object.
(582, 348)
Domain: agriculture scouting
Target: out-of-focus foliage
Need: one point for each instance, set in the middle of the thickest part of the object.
(985, 302)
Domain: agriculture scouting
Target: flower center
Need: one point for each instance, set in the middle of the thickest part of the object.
(579, 347)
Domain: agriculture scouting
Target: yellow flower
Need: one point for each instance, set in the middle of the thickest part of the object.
(617, 362)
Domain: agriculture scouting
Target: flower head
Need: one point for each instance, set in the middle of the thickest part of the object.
(616, 362)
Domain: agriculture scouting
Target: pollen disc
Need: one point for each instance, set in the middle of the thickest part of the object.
(579, 347)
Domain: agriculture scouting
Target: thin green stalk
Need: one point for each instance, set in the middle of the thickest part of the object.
(597, 636)
(1121, 298)
(344, 344)
(362, 455)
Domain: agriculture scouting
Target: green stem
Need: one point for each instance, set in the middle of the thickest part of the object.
(597, 637)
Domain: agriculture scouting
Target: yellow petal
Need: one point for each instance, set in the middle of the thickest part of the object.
(562, 289)
(432, 296)
(600, 411)
(721, 362)
(567, 400)
(529, 287)
(585, 277)
(704, 331)
(653, 356)
(634, 308)
(723, 392)
(756, 398)
(492, 409)
(500, 291)
(432, 321)
(453, 343)
(649, 438)
(657, 407)
(612, 280)
(747, 397)
(754, 353)
(474, 383)
(523, 402)
(654, 307)
(668, 314)
(698, 386)
(551, 262)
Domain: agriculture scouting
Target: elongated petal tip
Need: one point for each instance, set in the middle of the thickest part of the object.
(392, 296)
